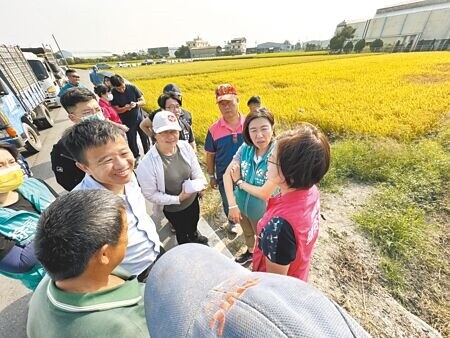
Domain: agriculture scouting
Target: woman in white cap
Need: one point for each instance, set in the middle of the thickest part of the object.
(170, 175)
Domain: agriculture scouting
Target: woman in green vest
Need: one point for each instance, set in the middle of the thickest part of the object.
(22, 200)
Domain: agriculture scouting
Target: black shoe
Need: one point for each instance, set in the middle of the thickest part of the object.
(244, 258)
(201, 240)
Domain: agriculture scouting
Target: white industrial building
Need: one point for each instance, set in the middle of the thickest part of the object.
(415, 25)
(236, 46)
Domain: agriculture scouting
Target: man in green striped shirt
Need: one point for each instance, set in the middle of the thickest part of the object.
(81, 239)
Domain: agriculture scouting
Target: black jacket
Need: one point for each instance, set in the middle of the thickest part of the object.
(67, 174)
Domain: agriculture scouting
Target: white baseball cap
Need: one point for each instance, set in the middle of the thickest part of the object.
(165, 120)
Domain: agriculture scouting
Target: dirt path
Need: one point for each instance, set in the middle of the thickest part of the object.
(345, 267)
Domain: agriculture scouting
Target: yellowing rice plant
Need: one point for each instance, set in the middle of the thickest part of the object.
(394, 95)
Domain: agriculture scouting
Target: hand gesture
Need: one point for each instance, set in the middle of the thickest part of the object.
(234, 215)
(213, 183)
(235, 172)
(184, 195)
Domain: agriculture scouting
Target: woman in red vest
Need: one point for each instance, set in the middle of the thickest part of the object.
(290, 226)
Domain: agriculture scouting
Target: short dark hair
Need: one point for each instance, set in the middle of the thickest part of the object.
(89, 134)
(11, 149)
(72, 96)
(70, 71)
(162, 99)
(116, 80)
(260, 112)
(101, 89)
(303, 156)
(254, 100)
(74, 227)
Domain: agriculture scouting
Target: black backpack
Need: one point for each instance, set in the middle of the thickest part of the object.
(67, 174)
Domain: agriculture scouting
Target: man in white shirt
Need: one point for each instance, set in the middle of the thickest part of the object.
(102, 152)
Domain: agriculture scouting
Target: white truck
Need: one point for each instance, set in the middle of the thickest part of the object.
(22, 96)
(46, 78)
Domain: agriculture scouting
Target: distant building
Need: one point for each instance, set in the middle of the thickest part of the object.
(236, 46)
(272, 47)
(204, 52)
(197, 43)
(159, 51)
(416, 25)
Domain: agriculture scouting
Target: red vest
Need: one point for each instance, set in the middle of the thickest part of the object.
(301, 209)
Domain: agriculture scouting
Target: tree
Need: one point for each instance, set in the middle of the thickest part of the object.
(183, 52)
(336, 44)
(348, 32)
(337, 41)
(359, 46)
(375, 45)
(348, 47)
(310, 47)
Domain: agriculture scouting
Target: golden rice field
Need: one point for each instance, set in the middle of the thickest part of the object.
(393, 95)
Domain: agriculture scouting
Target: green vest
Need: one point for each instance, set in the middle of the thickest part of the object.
(20, 226)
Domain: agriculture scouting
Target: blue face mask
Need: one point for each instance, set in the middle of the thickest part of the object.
(96, 116)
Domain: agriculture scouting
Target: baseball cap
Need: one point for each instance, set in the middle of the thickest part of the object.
(225, 92)
(165, 120)
(172, 88)
(194, 291)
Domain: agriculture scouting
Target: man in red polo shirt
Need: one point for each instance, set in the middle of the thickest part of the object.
(223, 140)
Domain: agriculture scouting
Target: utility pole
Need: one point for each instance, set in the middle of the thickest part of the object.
(60, 51)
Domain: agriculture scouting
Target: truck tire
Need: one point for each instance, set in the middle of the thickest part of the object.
(45, 121)
(33, 144)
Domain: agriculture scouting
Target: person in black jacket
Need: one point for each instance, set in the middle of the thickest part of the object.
(81, 104)
(183, 115)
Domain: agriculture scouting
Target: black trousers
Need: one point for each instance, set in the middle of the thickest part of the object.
(144, 274)
(132, 122)
(185, 222)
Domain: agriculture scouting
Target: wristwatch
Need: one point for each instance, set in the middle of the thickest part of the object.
(212, 176)
(239, 182)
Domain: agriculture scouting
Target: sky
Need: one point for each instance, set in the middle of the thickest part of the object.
(130, 25)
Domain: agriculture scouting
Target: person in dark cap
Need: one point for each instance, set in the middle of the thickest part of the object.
(183, 115)
(194, 291)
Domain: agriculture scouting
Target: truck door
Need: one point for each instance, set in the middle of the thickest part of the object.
(13, 122)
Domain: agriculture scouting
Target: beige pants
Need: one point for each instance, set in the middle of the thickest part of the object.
(249, 229)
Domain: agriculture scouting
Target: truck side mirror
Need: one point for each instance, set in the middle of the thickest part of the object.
(3, 90)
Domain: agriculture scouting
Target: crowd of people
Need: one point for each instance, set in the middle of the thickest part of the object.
(88, 253)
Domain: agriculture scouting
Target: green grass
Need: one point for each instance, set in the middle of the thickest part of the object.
(407, 218)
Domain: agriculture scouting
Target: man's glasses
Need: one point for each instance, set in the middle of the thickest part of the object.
(92, 111)
(75, 76)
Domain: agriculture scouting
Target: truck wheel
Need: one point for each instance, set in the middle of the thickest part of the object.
(46, 120)
(33, 144)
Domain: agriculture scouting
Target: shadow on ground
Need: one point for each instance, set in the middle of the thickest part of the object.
(13, 318)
